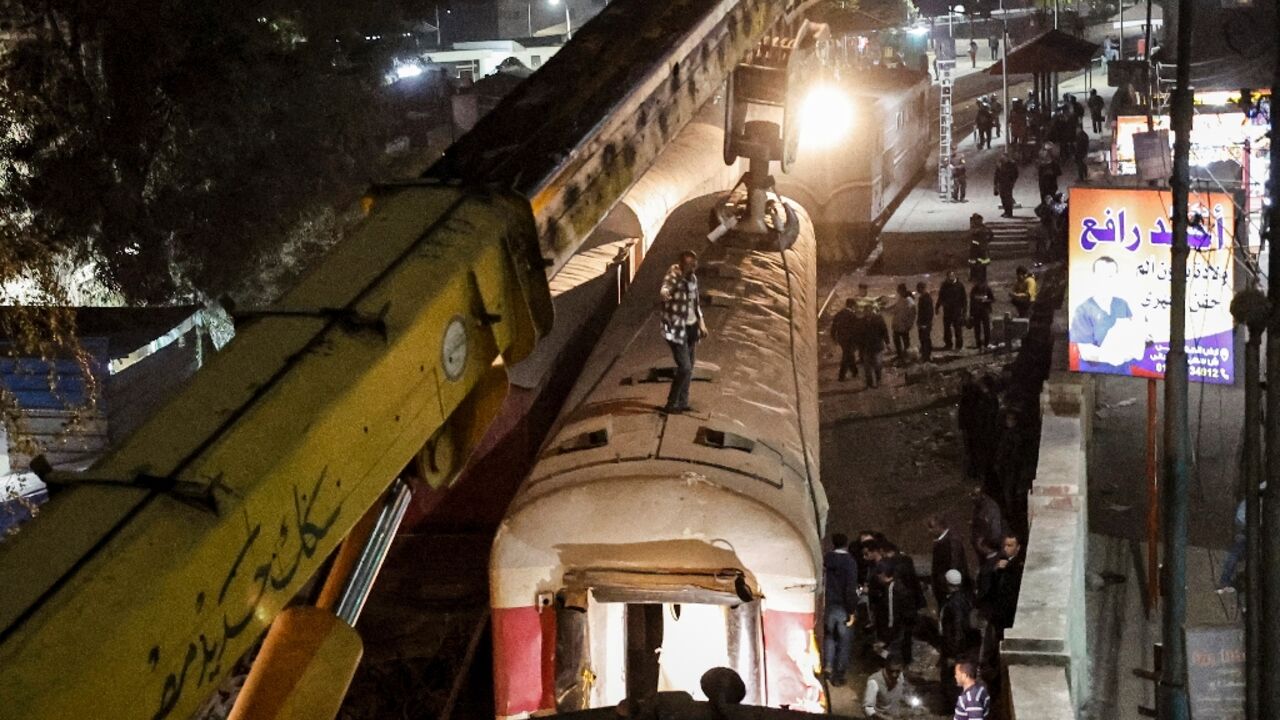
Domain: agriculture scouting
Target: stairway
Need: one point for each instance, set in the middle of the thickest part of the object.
(1014, 238)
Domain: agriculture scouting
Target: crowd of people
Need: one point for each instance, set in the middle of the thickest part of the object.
(876, 606)
(863, 335)
(1051, 138)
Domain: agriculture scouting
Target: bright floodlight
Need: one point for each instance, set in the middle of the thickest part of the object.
(554, 2)
(918, 31)
(826, 117)
(405, 71)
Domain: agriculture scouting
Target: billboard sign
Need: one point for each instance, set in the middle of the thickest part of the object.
(1118, 289)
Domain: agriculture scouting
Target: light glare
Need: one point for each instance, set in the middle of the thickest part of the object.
(826, 118)
(408, 70)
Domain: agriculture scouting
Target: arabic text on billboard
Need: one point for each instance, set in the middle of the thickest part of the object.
(1118, 292)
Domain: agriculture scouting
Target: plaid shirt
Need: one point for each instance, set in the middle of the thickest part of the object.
(679, 294)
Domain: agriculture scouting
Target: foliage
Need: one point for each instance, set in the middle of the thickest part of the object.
(173, 144)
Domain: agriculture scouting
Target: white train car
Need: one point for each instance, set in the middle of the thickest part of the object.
(644, 548)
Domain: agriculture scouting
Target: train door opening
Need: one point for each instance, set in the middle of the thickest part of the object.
(616, 650)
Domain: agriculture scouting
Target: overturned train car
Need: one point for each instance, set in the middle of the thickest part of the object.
(644, 549)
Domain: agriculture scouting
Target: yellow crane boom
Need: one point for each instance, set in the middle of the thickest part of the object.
(147, 578)
(143, 582)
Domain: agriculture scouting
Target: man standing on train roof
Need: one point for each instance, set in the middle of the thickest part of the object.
(682, 325)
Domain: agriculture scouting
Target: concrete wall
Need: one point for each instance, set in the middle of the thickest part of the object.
(1045, 652)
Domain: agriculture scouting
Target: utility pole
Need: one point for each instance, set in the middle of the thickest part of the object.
(1269, 559)
(1250, 308)
(1173, 682)
(1004, 71)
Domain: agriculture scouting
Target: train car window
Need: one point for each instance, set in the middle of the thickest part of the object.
(722, 439)
(586, 441)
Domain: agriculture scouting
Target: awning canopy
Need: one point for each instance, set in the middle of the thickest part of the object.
(1052, 51)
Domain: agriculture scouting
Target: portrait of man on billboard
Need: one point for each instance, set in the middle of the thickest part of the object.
(1102, 329)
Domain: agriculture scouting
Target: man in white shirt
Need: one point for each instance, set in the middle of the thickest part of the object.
(888, 694)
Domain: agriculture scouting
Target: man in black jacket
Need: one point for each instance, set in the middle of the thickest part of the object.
(1008, 582)
(896, 617)
(924, 321)
(1006, 178)
(951, 301)
(843, 332)
(981, 298)
(957, 636)
(948, 555)
(840, 574)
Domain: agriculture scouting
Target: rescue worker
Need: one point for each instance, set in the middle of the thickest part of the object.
(984, 122)
(1024, 291)
(843, 331)
(682, 326)
(980, 237)
(1006, 178)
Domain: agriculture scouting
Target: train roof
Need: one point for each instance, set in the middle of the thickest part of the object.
(880, 79)
(739, 470)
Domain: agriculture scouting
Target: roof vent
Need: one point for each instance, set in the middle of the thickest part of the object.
(724, 440)
(586, 441)
(666, 374)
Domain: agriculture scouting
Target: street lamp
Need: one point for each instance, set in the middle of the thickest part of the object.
(568, 25)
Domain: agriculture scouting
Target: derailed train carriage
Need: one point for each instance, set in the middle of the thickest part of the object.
(645, 548)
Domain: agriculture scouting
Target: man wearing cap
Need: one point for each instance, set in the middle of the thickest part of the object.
(955, 632)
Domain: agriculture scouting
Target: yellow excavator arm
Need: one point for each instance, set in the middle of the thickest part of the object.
(147, 578)
(144, 580)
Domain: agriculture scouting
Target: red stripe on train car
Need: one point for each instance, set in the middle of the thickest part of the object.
(789, 660)
(523, 660)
